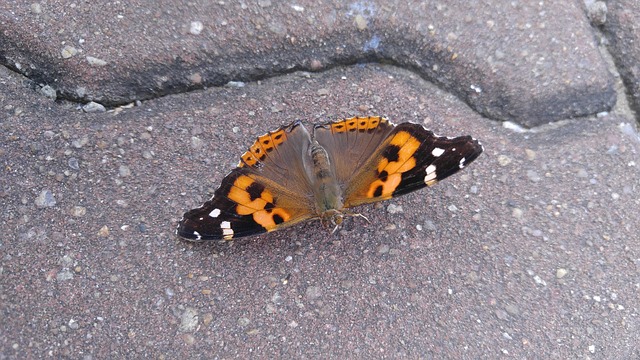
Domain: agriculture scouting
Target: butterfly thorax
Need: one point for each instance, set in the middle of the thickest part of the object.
(328, 193)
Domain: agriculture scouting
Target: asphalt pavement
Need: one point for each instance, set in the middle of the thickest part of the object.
(117, 117)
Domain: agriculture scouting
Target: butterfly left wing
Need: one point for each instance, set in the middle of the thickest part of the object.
(245, 204)
(268, 190)
(408, 159)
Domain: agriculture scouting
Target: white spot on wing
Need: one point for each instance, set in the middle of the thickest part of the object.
(227, 231)
(461, 165)
(214, 213)
(437, 152)
(430, 178)
(198, 236)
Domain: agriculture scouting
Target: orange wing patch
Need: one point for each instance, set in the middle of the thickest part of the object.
(357, 124)
(254, 199)
(397, 158)
(262, 147)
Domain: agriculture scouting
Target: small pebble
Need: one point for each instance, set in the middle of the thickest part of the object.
(394, 209)
(243, 321)
(516, 213)
(196, 142)
(235, 84)
(501, 314)
(196, 27)
(361, 22)
(188, 320)
(78, 211)
(560, 273)
(45, 199)
(531, 155)
(582, 173)
(207, 319)
(78, 143)
(512, 310)
(104, 231)
(313, 292)
(430, 225)
(539, 280)
(188, 339)
(64, 275)
(95, 61)
(68, 51)
(73, 163)
(316, 65)
(48, 91)
(93, 107)
(383, 249)
(504, 160)
(124, 171)
(36, 8)
(597, 12)
(533, 176)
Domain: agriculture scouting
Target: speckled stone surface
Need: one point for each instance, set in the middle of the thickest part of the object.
(530, 252)
(478, 51)
(623, 35)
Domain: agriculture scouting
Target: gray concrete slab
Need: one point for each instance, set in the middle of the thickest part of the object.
(531, 252)
(621, 21)
(490, 54)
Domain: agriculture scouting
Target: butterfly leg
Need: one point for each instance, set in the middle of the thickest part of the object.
(358, 215)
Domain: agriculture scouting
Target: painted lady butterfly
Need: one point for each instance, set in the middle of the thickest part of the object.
(288, 176)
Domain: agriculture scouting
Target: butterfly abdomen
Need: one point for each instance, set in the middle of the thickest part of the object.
(328, 194)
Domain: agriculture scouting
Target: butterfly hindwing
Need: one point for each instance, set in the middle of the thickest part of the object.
(351, 142)
(409, 159)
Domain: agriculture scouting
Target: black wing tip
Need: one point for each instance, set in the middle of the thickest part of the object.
(189, 235)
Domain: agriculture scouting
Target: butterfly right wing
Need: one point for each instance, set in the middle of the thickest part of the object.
(267, 191)
(410, 158)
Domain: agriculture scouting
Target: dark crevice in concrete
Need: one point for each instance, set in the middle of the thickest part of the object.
(493, 102)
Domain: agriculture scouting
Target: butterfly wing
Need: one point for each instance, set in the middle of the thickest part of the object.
(267, 191)
(400, 159)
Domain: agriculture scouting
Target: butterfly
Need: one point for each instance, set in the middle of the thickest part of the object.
(289, 175)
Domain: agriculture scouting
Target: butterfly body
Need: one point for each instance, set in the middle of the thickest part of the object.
(288, 175)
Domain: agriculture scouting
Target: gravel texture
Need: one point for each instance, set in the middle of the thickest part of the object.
(530, 252)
